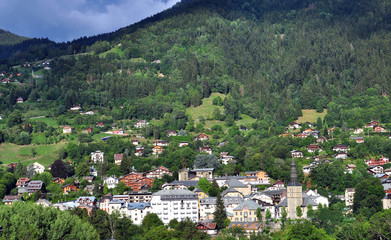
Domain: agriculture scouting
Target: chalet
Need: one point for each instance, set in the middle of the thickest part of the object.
(67, 130)
(294, 125)
(100, 124)
(19, 100)
(313, 147)
(349, 196)
(111, 182)
(139, 197)
(141, 124)
(118, 158)
(227, 159)
(381, 176)
(76, 108)
(206, 149)
(315, 134)
(139, 152)
(379, 129)
(341, 148)
(156, 61)
(118, 132)
(97, 156)
(183, 144)
(202, 137)
(69, 188)
(380, 161)
(86, 201)
(89, 130)
(172, 133)
(6, 80)
(358, 131)
(279, 185)
(260, 175)
(350, 167)
(161, 143)
(10, 199)
(207, 227)
(58, 180)
(372, 124)
(341, 155)
(22, 182)
(321, 140)
(36, 185)
(185, 174)
(135, 142)
(158, 172)
(297, 154)
(90, 189)
(157, 150)
(161, 75)
(224, 154)
(308, 131)
(89, 113)
(357, 139)
(301, 135)
(136, 181)
(287, 135)
(373, 170)
(35, 168)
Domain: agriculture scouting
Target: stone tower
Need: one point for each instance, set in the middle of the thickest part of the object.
(294, 193)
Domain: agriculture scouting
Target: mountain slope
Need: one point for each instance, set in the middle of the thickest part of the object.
(8, 38)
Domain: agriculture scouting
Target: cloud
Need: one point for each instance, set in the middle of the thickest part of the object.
(64, 20)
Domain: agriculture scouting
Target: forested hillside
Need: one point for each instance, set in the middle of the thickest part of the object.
(272, 58)
(7, 38)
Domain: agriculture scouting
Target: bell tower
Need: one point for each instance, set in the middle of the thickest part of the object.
(294, 193)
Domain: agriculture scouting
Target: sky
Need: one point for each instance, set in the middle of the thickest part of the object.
(65, 20)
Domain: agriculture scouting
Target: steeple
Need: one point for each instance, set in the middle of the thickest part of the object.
(294, 181)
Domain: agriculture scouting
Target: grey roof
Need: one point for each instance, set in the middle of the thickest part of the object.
(139, 206)
(175, 194)
(233, 183)
(184, 183)
(228, 190)
(116, 201)
(274, 192)
(202, 169)
(250, 204)
(307, 200)
(226, 200)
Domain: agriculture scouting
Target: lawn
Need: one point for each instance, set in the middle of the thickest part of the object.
(116, 50)
(310, 115)
(48, 121)
(46, 154)
(205, 110)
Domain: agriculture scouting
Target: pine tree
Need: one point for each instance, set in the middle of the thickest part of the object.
(219, 215)
(126, 165)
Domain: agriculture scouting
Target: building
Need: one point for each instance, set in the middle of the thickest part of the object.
(208, 206)
(341, 148)
(377, 169)
(22, 182)
(137, 181)
(141, 124)
(341, 155)
(183, 144)
(206, 149)
(137, 197)
(19, 100)
(349, 196)
(10, 199)
(238, 186)
(157, 150)
(159, 172)
(350, 167)
(36, 185)
(76, 108)
(69, 188)
(111, 182)
(380, 161)
(185, 174)
(294, 193)
(313, 147)
(297, 154)
(161, 143)
(246, 212)
(175, 204)
(118, 158)
(387, 201)
(171, 133)
(67, 130)
(135, 142)
(35, 168)
(357, 139)
(136, 211)
(97, 157)
(294, 125)
(202, 137)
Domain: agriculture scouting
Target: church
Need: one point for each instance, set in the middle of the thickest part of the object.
(296, 197)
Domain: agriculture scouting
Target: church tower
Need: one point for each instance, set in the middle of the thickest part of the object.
(294, 193)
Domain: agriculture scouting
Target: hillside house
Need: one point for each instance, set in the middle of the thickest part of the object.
(141, 124)
(67, 130)
(157, 150)
(294, 125)
(158, 172)
(341, 148)
(19, 100)
(379, 129)
(341, 155)
(185, 174)
(139, 152)
(97, 156)
(357, 139)
(118, 158)
(135, 142)
(183, 144)
(111, 182)
(202, 137)
(301, 135)
(296, 154)
(358, 131)
(313, 147)
(321, 140)
(380, 161)
(171, 133)
(161, 143)
(10, 199)
(349, 196)
(373, 170)
(100, 124)
(350, 167)
(372, 124)
(36, 185)
(69, 188)
(76, 108)
(22, 182)
(35, 168)
(207, 150)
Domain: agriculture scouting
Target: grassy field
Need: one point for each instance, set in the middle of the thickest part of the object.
(46, 154)
(205, 110)
(310, 115)
(116, 50)
(48, 121)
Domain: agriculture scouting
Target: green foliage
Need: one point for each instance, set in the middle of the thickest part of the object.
(305, 230)
(82, 170)
(151, 220)
(368, 197)
(204, 185)
(219, 214)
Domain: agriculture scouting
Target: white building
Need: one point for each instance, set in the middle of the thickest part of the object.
(97, 156)
(141, 124)
(136, 211)
(111, 182)
(349, 196)
(175, 204)
(208, 206)
(35, 168)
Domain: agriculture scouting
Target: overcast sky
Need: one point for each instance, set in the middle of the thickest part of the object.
(64, 20)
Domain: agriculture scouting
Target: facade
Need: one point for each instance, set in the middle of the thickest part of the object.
(97, 157)
(118, 158)
(111, 182)
(202, 137)
(22, 182)
(136, 211)
(159, 172)
(157, 150)
(141, 124)
(380, 161)
(194, 175)
(175, 204)
(137, 197)
(296, 153)
(35, 168)
(69, 188)
(349, 196)
(67, 130)
(36, 185)
(246, 212)
(294, 193)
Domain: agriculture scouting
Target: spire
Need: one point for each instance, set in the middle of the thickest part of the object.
(294, 181)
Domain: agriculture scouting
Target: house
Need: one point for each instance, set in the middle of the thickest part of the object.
(175, 204)
(227, 159)
(139, 152)
(97, 156)
(90, 189)
(260, 175)
(171, 133)
(321, 140)
(76, 108)
(308, 131)
(341, 155)
(379, 129)
(43, 202)
(387, 201)
(69, 188)
(36, 185)
(89, 113)
(294, 125)
(185, 174)
(358, 131)
(19, 100)
(58, 180)
(118, 158)
(372, 124)
(100, 124)
(287, 135)
(182, 144)
(244, 189)
(349, 196)
(111, 182)
(313, 147)
(161, 143)
(375, 169)
(309, 124)
(206, 149)
(202, 137)
(136, 211)
(22, 182)
(67, 129)
(207, 205)
(157, 150)
(246, 212)
(380, 161)
(301, 135)
(86, 201)
(136, 181)
(296, 154)
(141, 124)
(357, 139)
(158, 172)
(93, 173)
(341, 148)
(35, 168)
(10, 199)
(118, 132)
(350, 167)
(135, 142)
(207, 227)
(139, 197)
